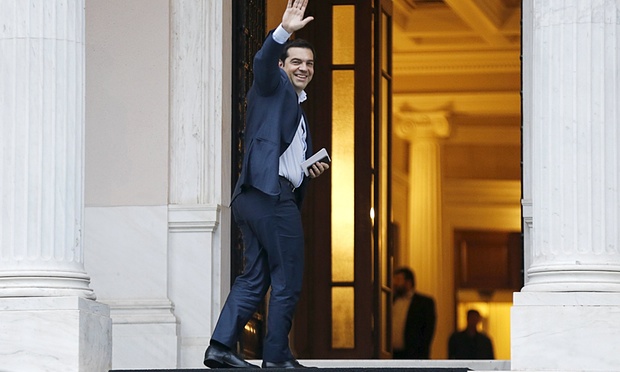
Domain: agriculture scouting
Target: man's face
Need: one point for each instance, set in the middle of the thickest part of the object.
(472, 320)
(299, 66)
(400, 285)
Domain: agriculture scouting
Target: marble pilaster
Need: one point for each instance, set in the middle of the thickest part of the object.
(570, 188)
(199, 195)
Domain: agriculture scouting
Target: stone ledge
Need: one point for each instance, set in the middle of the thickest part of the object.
(375, 365)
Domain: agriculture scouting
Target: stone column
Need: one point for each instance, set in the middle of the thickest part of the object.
(42, 135)
(567, 316)
(200, 158)
(46, 318)
(425, 131)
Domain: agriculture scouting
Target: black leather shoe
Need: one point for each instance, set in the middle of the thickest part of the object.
(286, 364)
(218, 357)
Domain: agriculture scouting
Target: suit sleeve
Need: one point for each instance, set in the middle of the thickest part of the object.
(266, 70)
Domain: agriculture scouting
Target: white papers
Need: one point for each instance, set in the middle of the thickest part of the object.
(320, 155)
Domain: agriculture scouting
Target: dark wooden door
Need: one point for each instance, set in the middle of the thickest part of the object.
(347, 298)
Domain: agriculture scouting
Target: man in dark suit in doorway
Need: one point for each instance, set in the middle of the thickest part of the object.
(267, 198)
(470, 343)
(413, 318)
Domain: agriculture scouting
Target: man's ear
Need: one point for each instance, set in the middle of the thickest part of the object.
(280, 63)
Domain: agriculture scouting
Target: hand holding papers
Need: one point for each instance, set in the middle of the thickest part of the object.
(320, 155)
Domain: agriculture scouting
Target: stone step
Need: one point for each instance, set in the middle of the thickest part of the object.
(373, 365)
(372, 369)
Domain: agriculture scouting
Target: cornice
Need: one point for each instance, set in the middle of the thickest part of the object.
(455, 62)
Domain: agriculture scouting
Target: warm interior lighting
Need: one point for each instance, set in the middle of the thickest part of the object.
(343, 178)
(344, 34)
(343, 202)
(343, 318)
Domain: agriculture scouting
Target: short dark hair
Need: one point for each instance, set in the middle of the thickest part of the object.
(296, 43)
(407, 273)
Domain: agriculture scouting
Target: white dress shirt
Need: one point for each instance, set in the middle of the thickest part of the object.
(400, 308)
(295, 154)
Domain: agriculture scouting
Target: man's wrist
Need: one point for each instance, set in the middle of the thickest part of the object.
(280, 35)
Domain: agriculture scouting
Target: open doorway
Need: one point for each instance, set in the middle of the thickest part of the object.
(455, 151)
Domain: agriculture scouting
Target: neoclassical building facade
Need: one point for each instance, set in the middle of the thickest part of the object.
(115, 179)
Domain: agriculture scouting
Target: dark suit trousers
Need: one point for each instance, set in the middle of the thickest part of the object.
(274, 244)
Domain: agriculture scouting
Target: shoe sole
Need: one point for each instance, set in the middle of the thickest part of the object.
(211, 363)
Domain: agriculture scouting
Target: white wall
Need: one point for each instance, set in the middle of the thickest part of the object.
(126, 177)
(127, 53)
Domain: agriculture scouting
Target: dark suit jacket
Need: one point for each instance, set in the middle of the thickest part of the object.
(273, 115)
(463, 346)
(420, 327)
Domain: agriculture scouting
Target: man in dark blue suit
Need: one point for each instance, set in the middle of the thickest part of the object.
(267, 198)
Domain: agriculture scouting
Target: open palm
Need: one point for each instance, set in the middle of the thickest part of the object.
(293, 17)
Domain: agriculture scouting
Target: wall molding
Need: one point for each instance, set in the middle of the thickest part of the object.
(193, 218)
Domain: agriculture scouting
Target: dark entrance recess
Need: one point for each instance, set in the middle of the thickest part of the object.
(248, 34)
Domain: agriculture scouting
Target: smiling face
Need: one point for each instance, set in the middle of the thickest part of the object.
(299, 66)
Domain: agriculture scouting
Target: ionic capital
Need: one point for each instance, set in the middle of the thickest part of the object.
(416, 126)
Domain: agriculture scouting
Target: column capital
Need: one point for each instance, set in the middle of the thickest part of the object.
(414, 126)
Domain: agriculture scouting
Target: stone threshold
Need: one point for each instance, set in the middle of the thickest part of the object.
(375, 365)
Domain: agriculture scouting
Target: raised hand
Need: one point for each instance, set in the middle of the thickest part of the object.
(293, 17)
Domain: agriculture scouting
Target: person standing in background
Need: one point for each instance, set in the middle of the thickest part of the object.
(413, 318)
(469, 343)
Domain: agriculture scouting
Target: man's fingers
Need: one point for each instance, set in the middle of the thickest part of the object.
(317, 169)
(307, 20)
